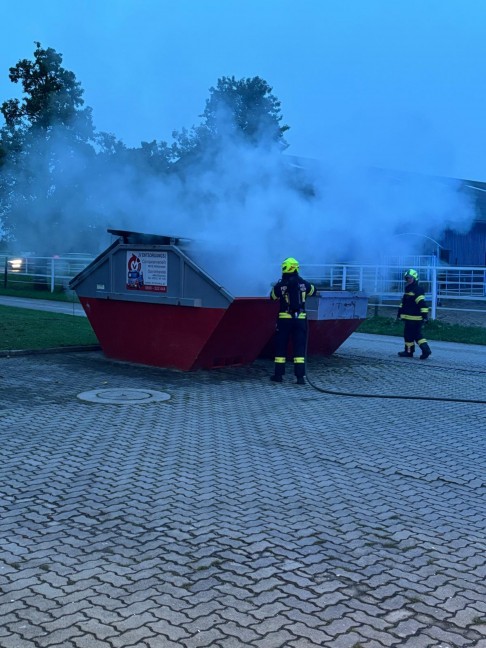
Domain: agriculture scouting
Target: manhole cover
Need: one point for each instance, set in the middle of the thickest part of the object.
(123, 396)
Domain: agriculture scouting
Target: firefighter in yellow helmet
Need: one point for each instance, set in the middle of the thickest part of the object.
(413, 310)
(291, 290)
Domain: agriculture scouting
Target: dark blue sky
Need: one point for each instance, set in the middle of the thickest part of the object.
(393, 83)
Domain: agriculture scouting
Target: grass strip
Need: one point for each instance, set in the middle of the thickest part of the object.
(434, 330)
(22, 329)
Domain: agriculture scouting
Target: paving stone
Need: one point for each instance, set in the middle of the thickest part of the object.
(348, 640)
(422, 641)
(88, 641)
(205, 638)
(63, 637)
(318, 636)
(273, 640)
(301, 642)
(137, 526)
(231, 642)
(457, 640)
(16, 641)
(132, 637)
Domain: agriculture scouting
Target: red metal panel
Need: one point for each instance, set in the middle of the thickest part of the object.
(325, 337)
(153, 334)
(186, 337)
(183, 337)
(240, 334)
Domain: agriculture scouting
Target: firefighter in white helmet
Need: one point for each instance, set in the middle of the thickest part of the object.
(291, 290)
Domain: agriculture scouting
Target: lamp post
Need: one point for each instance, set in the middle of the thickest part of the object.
(438, 246)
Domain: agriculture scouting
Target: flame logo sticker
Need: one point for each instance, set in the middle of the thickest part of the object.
(134, 264)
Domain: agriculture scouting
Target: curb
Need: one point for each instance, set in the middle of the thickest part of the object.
(69, 349)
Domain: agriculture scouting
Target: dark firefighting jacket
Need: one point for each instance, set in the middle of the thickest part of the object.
(292, 291)
(413, 305)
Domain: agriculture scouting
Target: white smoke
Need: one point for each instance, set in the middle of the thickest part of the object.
(245, 208)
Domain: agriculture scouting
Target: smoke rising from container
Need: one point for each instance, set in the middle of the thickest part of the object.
(245, 209)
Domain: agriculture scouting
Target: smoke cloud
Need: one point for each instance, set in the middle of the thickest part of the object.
(245, 208)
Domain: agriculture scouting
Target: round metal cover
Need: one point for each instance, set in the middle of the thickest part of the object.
(123, 396)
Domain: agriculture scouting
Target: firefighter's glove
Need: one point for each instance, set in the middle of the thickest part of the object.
(425, 319)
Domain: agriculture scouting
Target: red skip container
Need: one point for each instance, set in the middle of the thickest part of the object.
(149, 303)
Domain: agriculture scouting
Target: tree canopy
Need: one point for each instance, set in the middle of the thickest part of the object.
(55, 167)
(52, 96)
(244, 109)
(246, 106)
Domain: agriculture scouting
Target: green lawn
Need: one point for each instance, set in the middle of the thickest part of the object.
(21, 328)
(434, 330)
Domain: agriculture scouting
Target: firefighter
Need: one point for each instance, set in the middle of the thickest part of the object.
(414, 311)
(291, 290)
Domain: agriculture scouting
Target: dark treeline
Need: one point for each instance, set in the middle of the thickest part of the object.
(59, 176)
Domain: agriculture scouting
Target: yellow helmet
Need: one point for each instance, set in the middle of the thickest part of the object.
(290, 265)
(411, 273)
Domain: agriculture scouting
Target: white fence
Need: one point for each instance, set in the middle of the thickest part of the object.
(385, 282)
(46, 273)
(381, 283)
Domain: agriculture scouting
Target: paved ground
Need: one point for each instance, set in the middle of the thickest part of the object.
(241, 513)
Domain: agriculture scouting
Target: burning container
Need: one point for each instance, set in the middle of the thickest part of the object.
(150, 303)
(332, 316)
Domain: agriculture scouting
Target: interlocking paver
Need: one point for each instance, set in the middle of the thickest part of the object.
(211, 520)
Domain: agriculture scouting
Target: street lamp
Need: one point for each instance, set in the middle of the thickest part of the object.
(438, 248)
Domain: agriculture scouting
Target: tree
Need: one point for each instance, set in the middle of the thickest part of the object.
(61, 182)
(53, 97)
(244, 109)
(47, 142)
(253, 110)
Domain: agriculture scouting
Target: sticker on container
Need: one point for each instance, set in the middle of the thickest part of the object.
(147, 271)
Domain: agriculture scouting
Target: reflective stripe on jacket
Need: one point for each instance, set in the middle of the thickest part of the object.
(413, 305)
(291, 290)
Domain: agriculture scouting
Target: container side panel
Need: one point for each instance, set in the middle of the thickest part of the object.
(154, 334)
(97, 281)
(325, 337)
(241, 334)
(345, 305)
(196, 284)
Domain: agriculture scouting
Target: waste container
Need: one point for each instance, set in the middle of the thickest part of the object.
(332, 315)
(149, 302)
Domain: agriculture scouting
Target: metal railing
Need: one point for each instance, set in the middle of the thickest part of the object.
(385, 282)
(379, 282)
(42, 273)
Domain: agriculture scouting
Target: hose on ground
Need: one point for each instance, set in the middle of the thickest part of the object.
(332, 392)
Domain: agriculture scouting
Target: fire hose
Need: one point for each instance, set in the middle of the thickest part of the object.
(332, 392)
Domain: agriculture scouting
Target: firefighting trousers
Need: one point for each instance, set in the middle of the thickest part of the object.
(412, 333)
(295, 330)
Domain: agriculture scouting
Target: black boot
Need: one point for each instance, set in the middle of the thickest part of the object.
(300, 380)
(425, 351)
(408, 353)
(276, 378)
